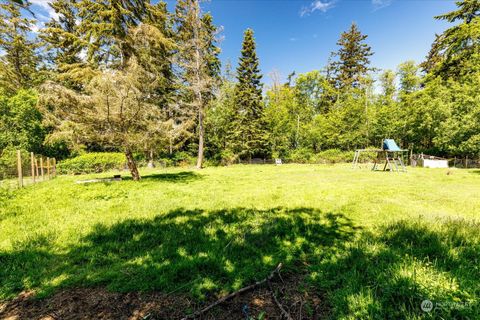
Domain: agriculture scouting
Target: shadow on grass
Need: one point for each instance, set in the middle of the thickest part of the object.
(387, 274)
(365, 275)
(194, 251)
(184, 176)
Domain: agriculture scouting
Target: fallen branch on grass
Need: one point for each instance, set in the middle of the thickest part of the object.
(279, 305)
(238, 292)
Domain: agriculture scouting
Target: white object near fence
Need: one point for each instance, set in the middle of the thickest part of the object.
(434, 163)
(427, 161)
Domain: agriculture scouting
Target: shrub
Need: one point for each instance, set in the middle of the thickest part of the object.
(92, 163)
(228, 157)
(334, 156)
(302, 156)
(183, 159)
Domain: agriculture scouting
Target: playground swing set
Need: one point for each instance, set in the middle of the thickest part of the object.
(391, 155)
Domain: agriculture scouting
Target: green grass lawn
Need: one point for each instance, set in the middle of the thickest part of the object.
(375, 244)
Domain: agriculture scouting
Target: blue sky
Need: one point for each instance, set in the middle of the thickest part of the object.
(292, 35)
(299, 35)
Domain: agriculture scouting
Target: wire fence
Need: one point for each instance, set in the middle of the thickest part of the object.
(465, 163)
(21, 168)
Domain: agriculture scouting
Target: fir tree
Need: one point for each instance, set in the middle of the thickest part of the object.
(456, 51)
(19, 61)
(250, 135)
(212, 52)
(64, 45)
(353, 59)
(115, 110)
(105, 26)
(127, 42)
(153, 43)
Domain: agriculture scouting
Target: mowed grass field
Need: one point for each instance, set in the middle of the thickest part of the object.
(374, 244)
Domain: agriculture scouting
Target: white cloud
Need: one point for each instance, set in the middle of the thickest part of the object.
(44, 4)
(35, 28)
(83, 55)
(317, 5)
(379, 4)
(293, 39)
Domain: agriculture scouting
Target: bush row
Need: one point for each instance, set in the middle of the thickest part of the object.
(104, 161)
(327, 156)
(92, 163)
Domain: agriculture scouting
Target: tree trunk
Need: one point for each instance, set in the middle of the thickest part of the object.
(198, 86)
(150, 164)
(132, 165)
(201, 135)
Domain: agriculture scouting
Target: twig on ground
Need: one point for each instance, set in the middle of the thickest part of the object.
(233, 294)
(301, 307)
(279, 305)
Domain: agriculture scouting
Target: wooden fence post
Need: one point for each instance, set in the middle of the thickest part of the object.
(32, 160)
(466, 162)
(41, 167)
(54, 167)
(36, 168)
(48, 168)
(19, 169)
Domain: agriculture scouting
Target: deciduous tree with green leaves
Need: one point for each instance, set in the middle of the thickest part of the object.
(21, 121)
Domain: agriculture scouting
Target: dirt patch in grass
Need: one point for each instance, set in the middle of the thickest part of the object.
(300, 300)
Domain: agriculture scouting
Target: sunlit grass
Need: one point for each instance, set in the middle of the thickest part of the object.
(374, 243)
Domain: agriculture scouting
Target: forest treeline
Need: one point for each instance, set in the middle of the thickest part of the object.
(131, 76)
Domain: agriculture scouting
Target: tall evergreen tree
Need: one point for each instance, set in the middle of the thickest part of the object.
(352, 59)
(19, 61)
(64, 45)
(153, 43)
(115, 110)
(213, 51)
(154, 46)
(105, 26)
(90, 34)
(250, 133)
(198, 63)
(456, 51)
(128, 42)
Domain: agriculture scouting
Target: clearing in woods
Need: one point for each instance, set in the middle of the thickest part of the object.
(354, 243)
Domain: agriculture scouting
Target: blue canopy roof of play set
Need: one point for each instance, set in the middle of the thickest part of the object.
(390, 145)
